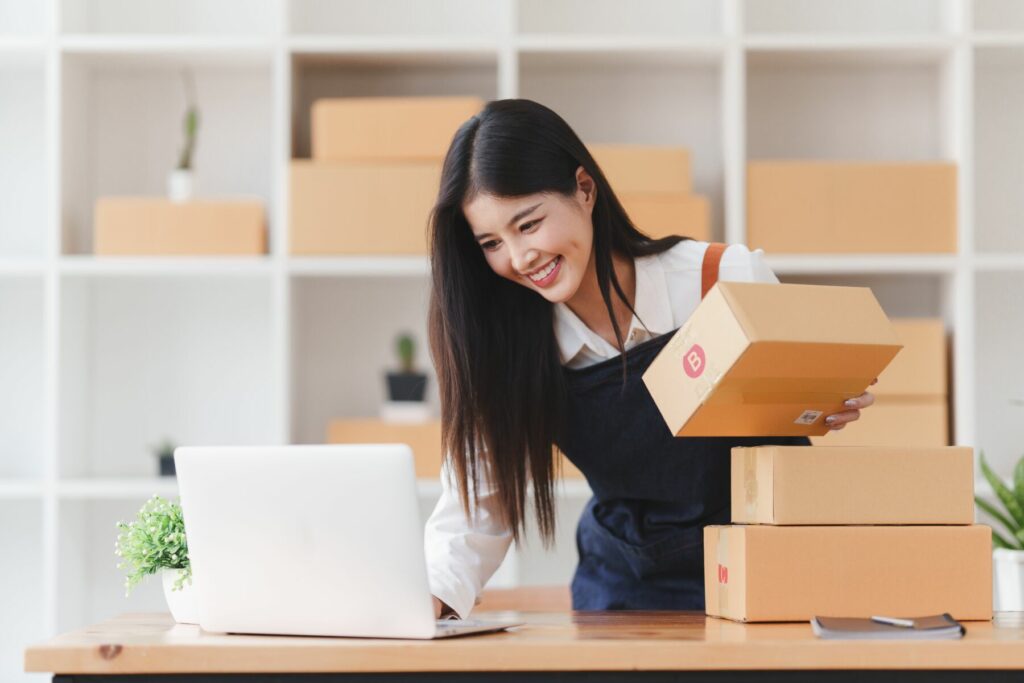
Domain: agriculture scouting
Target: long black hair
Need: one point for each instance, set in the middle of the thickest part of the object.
(492, 341)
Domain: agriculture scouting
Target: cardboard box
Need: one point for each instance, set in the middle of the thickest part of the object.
(802, 207)
(920, 369)
(388, 128)
(153, 226)
(660, 215)
(361, 207)
(644, 169)
(765, 359)
(851, 485)
(424, 438)
(792, 573)
(895, 422)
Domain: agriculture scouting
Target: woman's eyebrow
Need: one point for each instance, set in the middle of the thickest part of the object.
(519, 216)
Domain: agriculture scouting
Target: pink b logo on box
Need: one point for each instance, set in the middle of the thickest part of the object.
(723, 574)
(693, 361)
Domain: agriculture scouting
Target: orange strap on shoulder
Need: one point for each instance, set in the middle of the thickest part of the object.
(709, 270)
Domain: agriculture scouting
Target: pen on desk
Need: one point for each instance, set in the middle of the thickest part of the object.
(894, 621)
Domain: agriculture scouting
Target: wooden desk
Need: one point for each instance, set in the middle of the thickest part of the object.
(614, 645)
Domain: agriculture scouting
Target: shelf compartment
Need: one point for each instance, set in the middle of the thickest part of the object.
(999, 150)
(406, 18)
(180, 17)
(656, 18)
(824, 17)
(998, 374)
(851, 105)
(410, 74)
(23, 178)
(342, 347)
(22, 378)
(143, 358)
(122, 121)
(22, 589)
(660, 98)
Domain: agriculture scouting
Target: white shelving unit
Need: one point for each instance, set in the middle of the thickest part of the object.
(101, 357)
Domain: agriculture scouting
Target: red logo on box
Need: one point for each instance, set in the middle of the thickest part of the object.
(723, 574)
(693, 361)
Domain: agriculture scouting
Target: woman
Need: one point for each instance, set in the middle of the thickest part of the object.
(547, 305)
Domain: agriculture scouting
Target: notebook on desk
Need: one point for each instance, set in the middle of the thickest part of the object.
(937, 627)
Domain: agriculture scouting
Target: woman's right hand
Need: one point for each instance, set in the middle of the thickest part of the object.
(437, 608)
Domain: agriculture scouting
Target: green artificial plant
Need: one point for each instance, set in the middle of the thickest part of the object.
(191, 123)
(406, 352)
(154, 541)
(1012, 498)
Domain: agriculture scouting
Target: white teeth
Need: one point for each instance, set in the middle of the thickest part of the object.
(536, 277)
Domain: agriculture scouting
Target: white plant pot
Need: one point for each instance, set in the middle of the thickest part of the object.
(1008, 571)
(180, 185)
(182, 603)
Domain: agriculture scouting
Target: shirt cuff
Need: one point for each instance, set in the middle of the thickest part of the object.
(461, 601)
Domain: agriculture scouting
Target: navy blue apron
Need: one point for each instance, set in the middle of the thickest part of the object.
(640, 538)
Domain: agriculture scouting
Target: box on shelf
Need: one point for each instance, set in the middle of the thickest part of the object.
(342, 207)
(765, 359)
(852, 485)
(383, 128)
(792, 573)
(153, 226)
(644, 169)
(424, 438)
(835, 207)
(660, 215)
(911, 397)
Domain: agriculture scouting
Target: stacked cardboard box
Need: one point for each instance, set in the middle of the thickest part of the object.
(153, 226)
(836, 207)
(655, 187)
(849, 531)
(911, 397)
(818, 530)
(374, 175)
(757, 359)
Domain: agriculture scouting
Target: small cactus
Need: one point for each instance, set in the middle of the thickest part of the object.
(406, 351)
(191, 124)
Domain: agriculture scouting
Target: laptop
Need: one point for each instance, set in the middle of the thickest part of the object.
(309, 540)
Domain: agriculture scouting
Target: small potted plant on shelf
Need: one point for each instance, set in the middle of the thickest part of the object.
(407, 384)
(155, 543)
(181, 181)
(1008, 549)
(164, 451)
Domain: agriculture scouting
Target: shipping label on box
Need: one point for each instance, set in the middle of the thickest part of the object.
(793, 573)
(765, 359)
(852, 485)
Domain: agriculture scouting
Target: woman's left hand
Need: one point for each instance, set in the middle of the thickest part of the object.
(837, 421)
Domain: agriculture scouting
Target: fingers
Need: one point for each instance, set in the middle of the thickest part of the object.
(863, 401)
(839, 420)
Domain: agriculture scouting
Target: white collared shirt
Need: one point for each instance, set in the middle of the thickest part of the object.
(463, 554)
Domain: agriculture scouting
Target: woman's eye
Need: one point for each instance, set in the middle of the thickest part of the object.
(489, 245)
(526, 226)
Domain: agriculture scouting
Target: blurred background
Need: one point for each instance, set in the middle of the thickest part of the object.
(189, 256)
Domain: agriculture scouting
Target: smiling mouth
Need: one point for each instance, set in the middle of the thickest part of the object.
(542, 274)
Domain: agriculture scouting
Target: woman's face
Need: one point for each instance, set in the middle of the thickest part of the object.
(541, 241)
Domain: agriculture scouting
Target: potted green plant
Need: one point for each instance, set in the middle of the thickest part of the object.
(164, 451)
(181, 181)
(1008, 547)
(407, 384)
(155, 543)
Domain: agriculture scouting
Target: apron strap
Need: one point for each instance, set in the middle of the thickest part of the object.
(709, 269)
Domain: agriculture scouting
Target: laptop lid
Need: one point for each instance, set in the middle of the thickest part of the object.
(306, 540)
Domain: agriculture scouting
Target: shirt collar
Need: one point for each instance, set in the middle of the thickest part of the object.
(652, 305)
